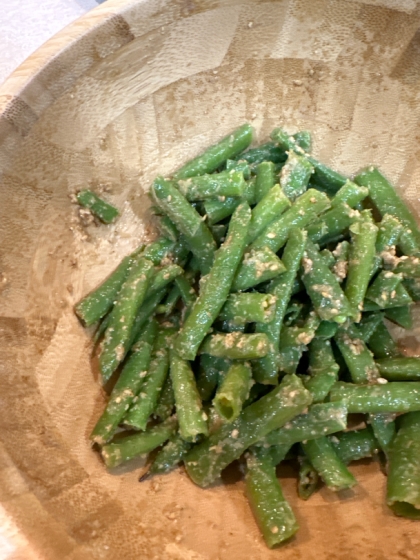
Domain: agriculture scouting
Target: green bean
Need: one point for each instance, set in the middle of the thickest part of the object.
(265, 179)
(278, 453)
(381, 343)
(293, 342)
(146, 401)
(295, 175)
(382, 289)
(240, 165)
(408, 266)
(181, 251)
(205, 462)
(357, 356)
(368, 325)
(213, 157)
(400, 316)
(215, 290)
(350, 194)
(171, 301)
(274, 203)
(398, 298)
(320, 420)
(387, 201)
(355, 444)
(145, 312)
(218, 231)
(217, 210)
(226, 183)
(98, 207)
(163, 277)
(211, 372)
(323, 369)
(233, 391)
(305, 209)
(187, 220)
(266, 369)
(383, 426)
(271, 510)
(389, 231)
(249, 308)
(170, 456)
(403, 485)
(303, 139)
(97, 303)
(129, 447)
(264, 153)
(191, 416)
(127, 386)
(412, 286)
(399, 368)
(118, 334)
(167, 228)
(326, 330)
(361, 261)
(166, 403)
(158, 250)
(308, 479)
(186, 291)
(236, 346)
(323, 175)
(323, 288)
(390, 397)
(326, 462)
(332, 224)
(257, 266)
(328, 257)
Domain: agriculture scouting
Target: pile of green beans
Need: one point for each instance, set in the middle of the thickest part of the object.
(256, 325)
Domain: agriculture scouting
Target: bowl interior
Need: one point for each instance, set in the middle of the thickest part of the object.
(132, 90)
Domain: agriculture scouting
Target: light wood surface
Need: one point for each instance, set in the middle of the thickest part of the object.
(132, 89)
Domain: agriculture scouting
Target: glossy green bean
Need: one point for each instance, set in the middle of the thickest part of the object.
(383, 288)
(395, 396)
(295, 175)
(236, 346)
(400, 316)
(357, 356)
(211, 373)
(265, 152)
(170, 456)
(98, 207)
(323, 369)
(402, 368)
(233, 391)
(166, 402)
(381, 343)
(274, 203)
(266, 178)
(350, 194)
(249, 308)
(226, 183)
(308, 479)
(355, 444)
(257, 266)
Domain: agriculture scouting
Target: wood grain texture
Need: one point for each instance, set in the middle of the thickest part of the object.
(132, 89)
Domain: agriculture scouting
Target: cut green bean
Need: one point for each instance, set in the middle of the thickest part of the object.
(158, 250)
(96, 305)
(266, 369)
(249, 308)
(303, 138)
(361, 262)
(400, 316)
(219, 232)
(211, 373)
(332, 224)
(341, 254)
(147, 309)
(166, 403)
(389, 231)
(213, 157)
(320, 420)
(387, 201)
(170, 456)
(167, 228)
(381, 343)
(98, 207)
(272, 512)
(187, 220)
(350, 194)
(127, 386)
(170, 302)
(146, 401)
(205, 462)
(265, 179)
(191, 416)
(186, 291)
(308, 479)
(412, 286)
(355, 444)
(217, 210)
(395, 396)
(274, 203)
(305, 209)
(323, 369)
(215, 290)
(368, 325)
(226, 183)
(409, 267)
(323, 288)
(129, 447)
(326, 330)
(295, 175)
(163, 277)
(399, 368)
(357, 356)
(257, 266)
(383, 288)
(383, 426)
(236, 346)
(326, 462)
(240, 165)
(233, 391)
(263, 153)
(118, 334)
(403, 485)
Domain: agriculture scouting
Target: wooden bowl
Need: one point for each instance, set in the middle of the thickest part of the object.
(132, 89)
